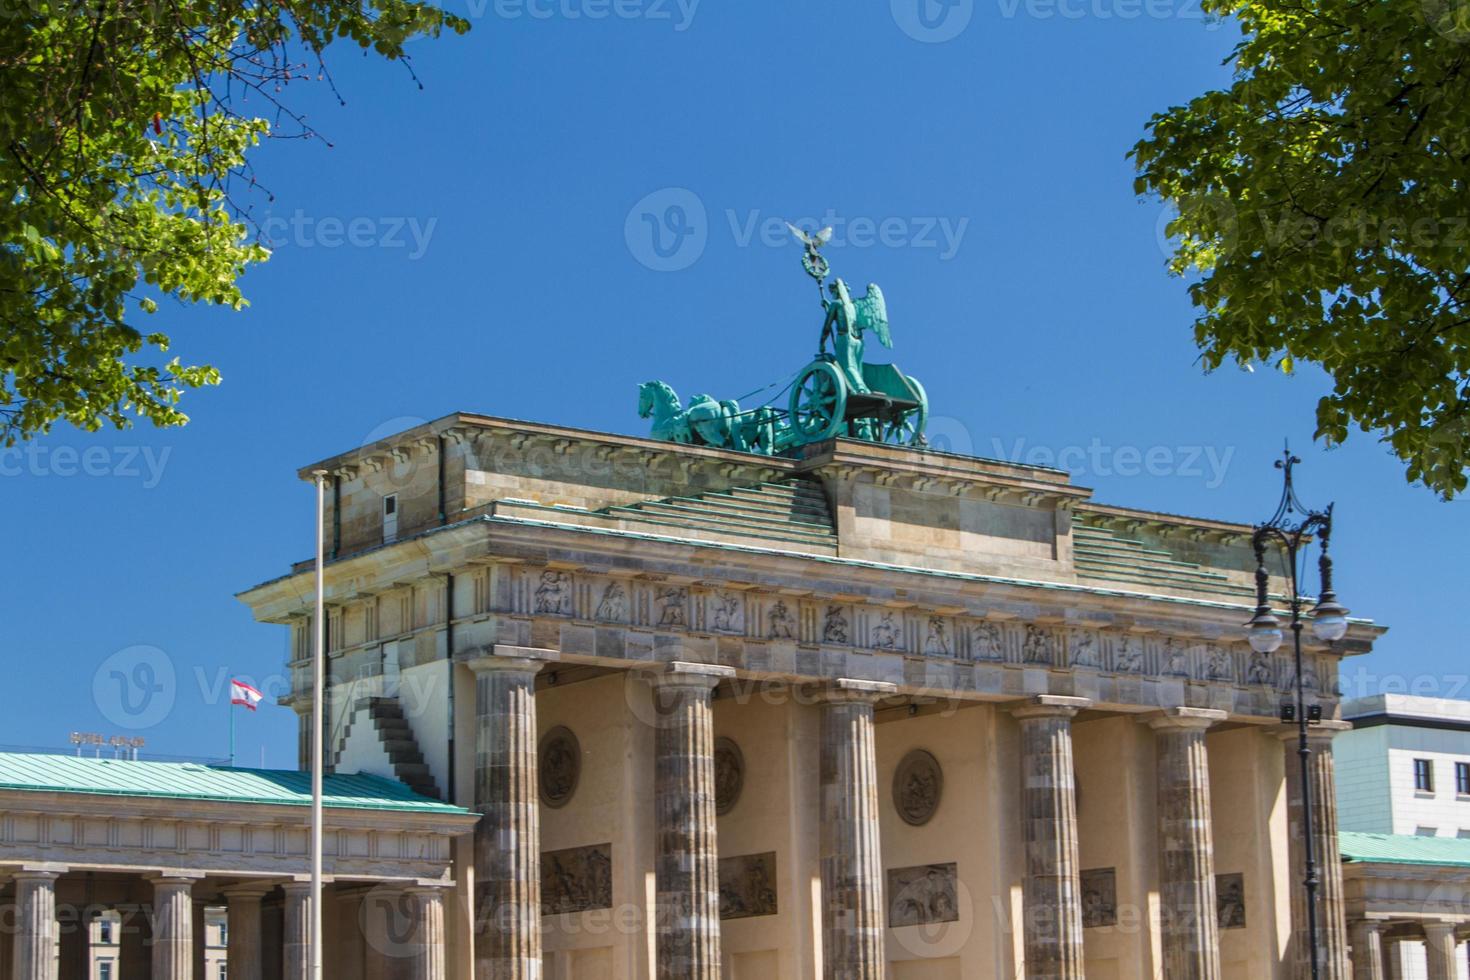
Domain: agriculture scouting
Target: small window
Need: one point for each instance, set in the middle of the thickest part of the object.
(104, 930)
(1424, 775)
(104, 971)
(224, 933)
(1462, 778)
(1422, 831)
(390, 518)
(223, 972)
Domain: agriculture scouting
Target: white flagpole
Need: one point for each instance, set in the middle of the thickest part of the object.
(318, 685)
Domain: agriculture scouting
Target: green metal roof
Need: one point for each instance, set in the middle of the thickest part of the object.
(1404, 849)
(192, 781)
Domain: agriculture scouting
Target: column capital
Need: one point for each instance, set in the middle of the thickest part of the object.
(247, 890)
(1185, 718)
(682, 674)
(37, 873)
(1049, 706)
(425, 888)
(1317, 731)
(1438, 930)
(174, 877)
(501, 656)
(848, 690)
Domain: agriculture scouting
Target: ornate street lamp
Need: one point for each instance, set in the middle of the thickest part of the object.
(1329, 623)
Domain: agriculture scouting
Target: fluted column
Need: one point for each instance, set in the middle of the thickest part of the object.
(1189, 926)
(428, 949)
(852, 857)
(173, 928)
(1051, 889)
(33, 955)
(296, 932)
(243, 948)
(1332, 941)
(508, 836)
(1367, 952)
(1393, 959)
(1440, 949)
(686, 858)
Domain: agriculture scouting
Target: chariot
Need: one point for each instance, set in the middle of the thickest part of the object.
(837, 394)
(889, 406)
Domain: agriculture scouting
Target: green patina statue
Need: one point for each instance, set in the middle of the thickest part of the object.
(839, 393)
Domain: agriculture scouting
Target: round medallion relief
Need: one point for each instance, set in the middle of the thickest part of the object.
(918, 783)
(729, 774)
(559, 762)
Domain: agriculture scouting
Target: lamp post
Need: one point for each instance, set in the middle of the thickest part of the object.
(1329, 623)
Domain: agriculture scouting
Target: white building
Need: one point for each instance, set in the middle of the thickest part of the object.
(1405, 766)
(1403, 777)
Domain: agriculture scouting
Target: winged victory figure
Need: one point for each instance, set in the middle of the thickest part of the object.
(847, 320)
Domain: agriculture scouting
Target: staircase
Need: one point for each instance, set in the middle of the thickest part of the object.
(396, 736)
(1101, 553)
(793, 510)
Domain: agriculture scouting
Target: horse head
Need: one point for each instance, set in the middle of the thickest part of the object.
(656, 397)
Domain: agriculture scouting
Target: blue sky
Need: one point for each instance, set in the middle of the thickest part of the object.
(482, 245)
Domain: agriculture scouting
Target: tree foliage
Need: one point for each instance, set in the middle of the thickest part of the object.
(124, 131)
(1324, 213)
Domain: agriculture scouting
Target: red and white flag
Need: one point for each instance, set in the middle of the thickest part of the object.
(243, 694)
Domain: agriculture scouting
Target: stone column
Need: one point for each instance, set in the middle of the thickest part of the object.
(429, 936)
(686, 858)
(1367, 952)
(173, 928)
(852, 858)
(243, 948)
(508, 836)
(33, 955)
(1051, 889)
(1189, 928)
(1332, 942)
(1393, 959)
(296, 934)
(1440, 949)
